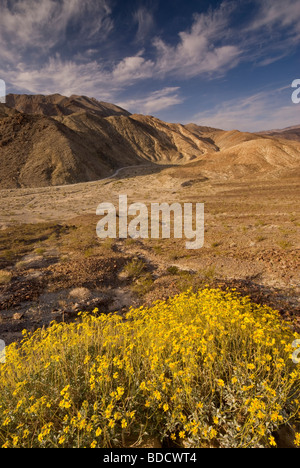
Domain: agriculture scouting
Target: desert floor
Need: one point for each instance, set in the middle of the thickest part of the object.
(52, 264)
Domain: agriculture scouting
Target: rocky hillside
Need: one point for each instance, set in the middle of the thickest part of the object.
(243, 155)
(289, 133)
(55, 140)
(57, 105)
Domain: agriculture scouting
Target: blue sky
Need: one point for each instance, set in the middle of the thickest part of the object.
(228, 64)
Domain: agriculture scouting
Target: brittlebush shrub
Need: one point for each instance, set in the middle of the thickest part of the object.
(209, 369)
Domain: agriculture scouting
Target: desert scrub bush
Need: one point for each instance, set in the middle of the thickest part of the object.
(173, 270)
(194, 281)
(17, 241)
(40, 251)
(205, 369)
(143, 284)
(216, 244)
(134, 269)
(284, 244)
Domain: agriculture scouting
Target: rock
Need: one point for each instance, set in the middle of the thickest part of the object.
(18, 316)
(80, 293)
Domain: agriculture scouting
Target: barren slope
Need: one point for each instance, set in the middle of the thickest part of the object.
(38, 151)
(289, 133)
(58, 105)
(256, 158)
(55, 140)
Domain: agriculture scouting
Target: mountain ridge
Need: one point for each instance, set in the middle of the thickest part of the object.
(288, 133)
(57, 105)
(57, 140)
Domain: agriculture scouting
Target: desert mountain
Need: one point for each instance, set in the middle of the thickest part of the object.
(289, 133)
(55, 140)
(257, 158)
(57, 105)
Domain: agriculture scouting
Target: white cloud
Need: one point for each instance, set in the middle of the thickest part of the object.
(65, 77)
(205, 48)
(133, 68)
(44, 25)
(154, 102)
(274, 31)
(84, 76)
(39, 25)
(276, 13)
(145, 22)
(200, 51)
(31, 29)
(258, 112)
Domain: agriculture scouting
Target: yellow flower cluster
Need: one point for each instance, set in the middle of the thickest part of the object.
(203, 369)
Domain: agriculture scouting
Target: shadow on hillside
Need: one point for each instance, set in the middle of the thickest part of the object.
(135, 171)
